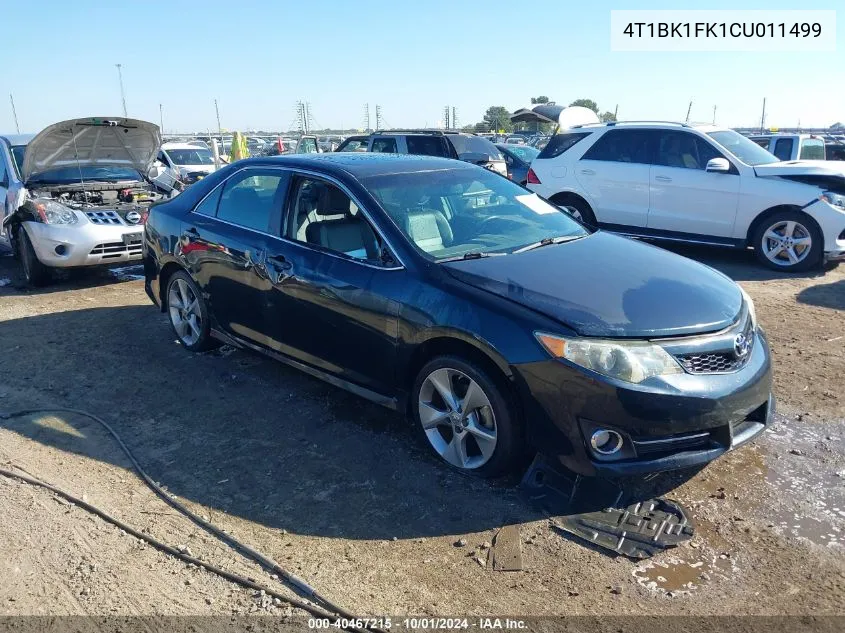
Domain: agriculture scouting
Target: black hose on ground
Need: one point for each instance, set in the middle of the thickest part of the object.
(328, 610)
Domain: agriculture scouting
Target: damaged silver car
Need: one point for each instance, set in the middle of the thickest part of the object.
(77, 194)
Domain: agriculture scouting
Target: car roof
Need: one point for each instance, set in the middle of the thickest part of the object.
(360, 165)
(18, 139)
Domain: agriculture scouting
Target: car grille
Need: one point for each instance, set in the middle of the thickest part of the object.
(103, 217)
(113, 250)
(718, 362)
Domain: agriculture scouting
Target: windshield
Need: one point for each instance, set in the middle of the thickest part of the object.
(196, 156)
(457, 211)
(73, 174)
(18, 152)
(744, 149)
(525, 153)
(464, 143)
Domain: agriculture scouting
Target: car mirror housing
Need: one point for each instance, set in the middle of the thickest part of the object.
(718, 165)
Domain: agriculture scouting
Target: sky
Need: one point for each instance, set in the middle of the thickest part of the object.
(258, 58)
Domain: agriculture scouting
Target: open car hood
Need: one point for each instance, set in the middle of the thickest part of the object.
(93, 141)
(830, 168)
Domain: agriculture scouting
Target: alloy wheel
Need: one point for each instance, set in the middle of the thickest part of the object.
(575, 213)
(185, 313)
(457, 418)
(786, 243)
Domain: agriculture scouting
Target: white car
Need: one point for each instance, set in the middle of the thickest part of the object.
(792, 146)
(186, 162)
(77, 194)
(700, 184)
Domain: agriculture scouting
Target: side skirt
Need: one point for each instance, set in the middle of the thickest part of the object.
(363, 392)
(672, 236)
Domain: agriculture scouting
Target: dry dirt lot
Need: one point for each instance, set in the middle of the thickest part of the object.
(337, 490)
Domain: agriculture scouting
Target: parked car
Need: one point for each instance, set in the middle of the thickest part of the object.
(186, 162)
(518, 160)
(444, 291)
(515, 140)
(699, 184)
(76, 194)
(447, 144)
(792, 146)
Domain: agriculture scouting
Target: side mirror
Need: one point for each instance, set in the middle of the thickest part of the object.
(718, 165)
(478, 158)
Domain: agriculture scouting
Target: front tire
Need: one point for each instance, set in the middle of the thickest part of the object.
(578, 209)
(466, 418)
(35, 273)
(788, 241)
(188, 313)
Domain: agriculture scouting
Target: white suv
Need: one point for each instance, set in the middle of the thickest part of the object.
(701, 184)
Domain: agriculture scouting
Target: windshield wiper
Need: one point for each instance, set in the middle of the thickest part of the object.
(548, 241)
(469, 255)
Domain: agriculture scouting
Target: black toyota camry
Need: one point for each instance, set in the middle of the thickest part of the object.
(499, 324)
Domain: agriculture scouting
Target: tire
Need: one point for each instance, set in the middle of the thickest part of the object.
(35, 273)
(779, 242)
(190, 321)
(490, 442)
(578, 209)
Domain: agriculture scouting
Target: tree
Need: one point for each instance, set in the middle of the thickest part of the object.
(607, 116)
(498, 118)
(586, 103)
(539, 100)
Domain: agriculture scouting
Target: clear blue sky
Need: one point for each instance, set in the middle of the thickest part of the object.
(259, 57)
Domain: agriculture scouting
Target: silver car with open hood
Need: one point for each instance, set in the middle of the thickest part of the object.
(77, 194)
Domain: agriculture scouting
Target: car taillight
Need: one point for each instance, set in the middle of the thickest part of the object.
(532, 179)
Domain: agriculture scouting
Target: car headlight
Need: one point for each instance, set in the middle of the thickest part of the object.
(751, 310)
(631, 361)
(50, 212)
(834, 199)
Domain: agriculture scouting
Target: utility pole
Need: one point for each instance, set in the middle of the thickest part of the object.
(763, 116)
(454, 117)
(616, 112)
(14, 113)
(714, 115)
(160, 118)
(446, 117)
(219, 129)
(689, 109)
(366, 117)
(379, 125)
(122, 93)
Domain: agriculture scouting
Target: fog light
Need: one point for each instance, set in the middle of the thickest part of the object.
(606, 442)
(61, 250)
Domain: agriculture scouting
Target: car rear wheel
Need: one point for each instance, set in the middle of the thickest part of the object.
(35, 273)
(188, 313)
(578, 210)
(788, 241)
(466, 418)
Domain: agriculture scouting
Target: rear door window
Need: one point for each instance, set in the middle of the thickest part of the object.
(812, 149)
(253, 199)
(384, 145)
(783, 149)
(622, 146)
(427, 146)
(354, 145)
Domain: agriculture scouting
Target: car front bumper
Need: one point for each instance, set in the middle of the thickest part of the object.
(676, 422)
(85, 244)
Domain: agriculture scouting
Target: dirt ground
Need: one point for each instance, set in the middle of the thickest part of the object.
(337, 490)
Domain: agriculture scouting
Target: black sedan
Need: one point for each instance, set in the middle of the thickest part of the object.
(499, 324)
(518, 160)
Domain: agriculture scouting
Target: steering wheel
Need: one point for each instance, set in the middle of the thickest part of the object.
(493, 218)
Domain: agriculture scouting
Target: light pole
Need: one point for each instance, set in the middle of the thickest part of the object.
(122, 94)
(160, 119)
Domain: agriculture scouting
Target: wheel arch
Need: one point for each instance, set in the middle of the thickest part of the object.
(167, 271)
(762, 217)
(563, 197)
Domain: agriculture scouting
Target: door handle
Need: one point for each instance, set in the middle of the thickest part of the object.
(587, 172)
(663, 179)
(192, 232)
(278, 269)
(280, 262)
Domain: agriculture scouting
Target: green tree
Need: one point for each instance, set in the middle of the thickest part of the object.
(498, 118)
(586, 103)
(607, 116)
(539, 100)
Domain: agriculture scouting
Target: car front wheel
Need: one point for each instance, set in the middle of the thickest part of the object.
(466, 418)
(189, 313)
(35, 273)
(788, 241)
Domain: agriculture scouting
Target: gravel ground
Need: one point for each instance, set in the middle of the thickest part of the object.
(338, 492)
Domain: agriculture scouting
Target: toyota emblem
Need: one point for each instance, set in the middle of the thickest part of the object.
(742, 345)
(133, 217)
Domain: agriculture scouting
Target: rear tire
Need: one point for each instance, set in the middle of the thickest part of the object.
(35, 273)
(788, 241)
(188, 312)
(450, 393)
(578, 209)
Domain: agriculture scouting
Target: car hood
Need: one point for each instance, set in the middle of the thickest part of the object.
(610, 286)
(832, 168)
(93, 141)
